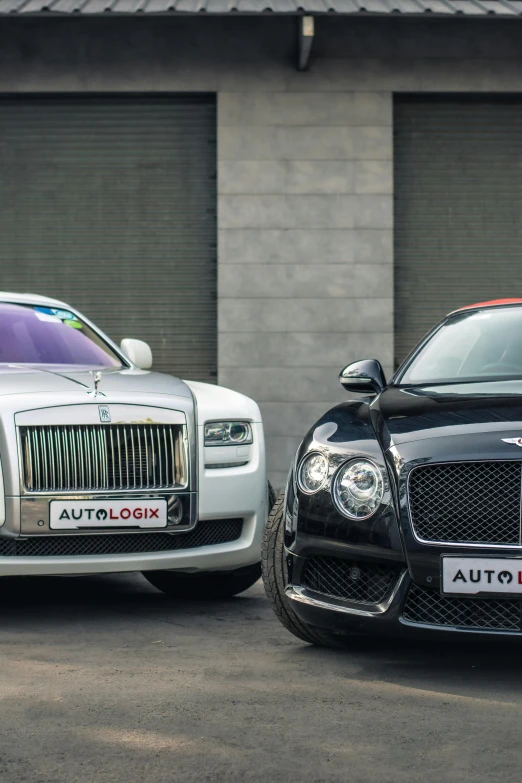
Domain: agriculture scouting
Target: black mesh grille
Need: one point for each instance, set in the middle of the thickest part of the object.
(216, 531)
(467, 502)
(429, 607)
(361, 582)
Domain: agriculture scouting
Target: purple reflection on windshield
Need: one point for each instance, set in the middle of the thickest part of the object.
(37, 335)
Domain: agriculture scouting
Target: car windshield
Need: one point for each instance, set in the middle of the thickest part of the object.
(48, 335)
(472, 345)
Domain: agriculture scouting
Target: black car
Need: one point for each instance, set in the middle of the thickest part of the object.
(402, 510)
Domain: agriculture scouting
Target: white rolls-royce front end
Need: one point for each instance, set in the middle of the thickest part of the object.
(108, 467)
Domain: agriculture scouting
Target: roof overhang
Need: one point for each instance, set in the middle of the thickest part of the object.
(378, 8)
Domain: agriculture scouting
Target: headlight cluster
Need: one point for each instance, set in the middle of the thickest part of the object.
(313, 473)
(228, 433)
(357, 487)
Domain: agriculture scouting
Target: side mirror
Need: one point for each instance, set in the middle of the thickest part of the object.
(138, 352)
(364, 377)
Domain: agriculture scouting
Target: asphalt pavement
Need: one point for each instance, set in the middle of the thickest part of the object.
(104, 679)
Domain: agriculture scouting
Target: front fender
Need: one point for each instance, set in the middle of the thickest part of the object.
(345, 432)
(237, 491)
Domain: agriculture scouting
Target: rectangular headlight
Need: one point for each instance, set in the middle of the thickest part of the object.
(228, 433)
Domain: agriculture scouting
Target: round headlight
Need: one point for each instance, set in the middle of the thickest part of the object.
(312, 473)
(358, 489)
(239, 432)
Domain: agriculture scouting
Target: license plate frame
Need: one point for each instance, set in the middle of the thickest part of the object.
(106, 514)
(500, 576)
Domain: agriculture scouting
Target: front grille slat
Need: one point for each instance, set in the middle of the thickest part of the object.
(147, 468)
(366, 583)
(50, 446)
(103, 457)
(427, 607)
(207, 533)
(466, 502)
(133, 461)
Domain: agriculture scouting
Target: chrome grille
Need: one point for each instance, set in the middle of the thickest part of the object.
(103, 457)
(466, 502)
(211, 531)
(428, 607)
(365, 583)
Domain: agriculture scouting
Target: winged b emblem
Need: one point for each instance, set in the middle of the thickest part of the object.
(514, 441)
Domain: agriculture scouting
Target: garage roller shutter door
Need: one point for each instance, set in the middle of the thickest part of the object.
(458, 191)
(110, 204)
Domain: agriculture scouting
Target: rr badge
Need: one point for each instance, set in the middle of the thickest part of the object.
(105, 414)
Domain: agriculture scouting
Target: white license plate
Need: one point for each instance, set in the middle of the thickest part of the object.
(78, 514)
(472, 575)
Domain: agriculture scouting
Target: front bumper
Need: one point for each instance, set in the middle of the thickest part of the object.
(241, 552)
(407, 608)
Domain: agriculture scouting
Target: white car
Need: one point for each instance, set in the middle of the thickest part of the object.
(108, 467)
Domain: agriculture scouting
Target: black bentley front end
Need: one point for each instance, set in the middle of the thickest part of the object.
(402, 511)
(385, 575)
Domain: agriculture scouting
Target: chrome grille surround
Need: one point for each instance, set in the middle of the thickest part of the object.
(103, 457)
(207, 533)
(365, 583)
(470, 503)
(425, 606)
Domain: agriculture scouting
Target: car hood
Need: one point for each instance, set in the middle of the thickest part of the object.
(39, 379)
(405, 414)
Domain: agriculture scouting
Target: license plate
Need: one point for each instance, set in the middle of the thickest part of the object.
(486, 575)
(79, 514)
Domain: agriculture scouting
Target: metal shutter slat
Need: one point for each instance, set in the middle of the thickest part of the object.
(109, 203)
(458, 189)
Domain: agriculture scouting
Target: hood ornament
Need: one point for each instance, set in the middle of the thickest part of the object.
(514, 441)
(96, 378)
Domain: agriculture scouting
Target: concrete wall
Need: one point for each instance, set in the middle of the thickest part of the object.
(305, 178)
(305, 249)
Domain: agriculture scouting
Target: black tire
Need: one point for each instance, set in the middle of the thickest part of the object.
(275, 577)
(210, 585)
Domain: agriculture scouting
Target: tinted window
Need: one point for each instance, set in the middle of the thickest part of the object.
(44, 335)
(471, 346)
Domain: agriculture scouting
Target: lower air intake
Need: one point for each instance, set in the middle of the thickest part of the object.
(428, 607)
(363, 583)
(215, 531)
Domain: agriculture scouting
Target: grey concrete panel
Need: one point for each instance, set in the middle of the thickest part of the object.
(373, 176)
(281, 452)
(372, 143)
(253, 315)
(373, 212)
(297, 211)
(319, 176)
(302, 108)
(292, 419)
(306, 246)
(322, 282)
(295, 384)
(296, 315)
(291, 143)
(280, 177)
(373, 108)
(302, 349)
(251, 176)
